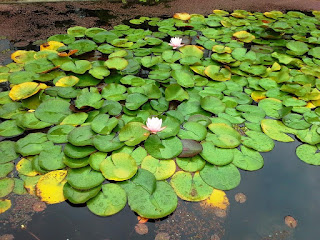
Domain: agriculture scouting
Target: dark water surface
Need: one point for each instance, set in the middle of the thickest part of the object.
(284, 186)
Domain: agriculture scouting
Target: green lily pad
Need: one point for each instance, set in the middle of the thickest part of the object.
(135, 100)
(163, 149)
(277, 130)
(51, 158)
(59, 134)
(117, 63)
(6, 186)
(78, 66)
(89, 97)
(110, 201)
(190, 188)
(6, 168)
(107, 143)
(257, 141)
(193, 130)
(9, 128)
(103, 124)
(78, 152)
(75, 162)
(310, 136)
(248, 159)
(176, 92)
(84, 178)
(114, 92)
(133, 133)
(308, 154)
(75, 119)
(221, 177)
(156, 204)
(118, 167)
(184, 79)
(83, 46)
(53, 111)
(215, 155)
(191, 164)
(161, 169)
(224, 136)
(7, 151)
(81, 136)
(76, 196)
(32, 144)
(96, 158)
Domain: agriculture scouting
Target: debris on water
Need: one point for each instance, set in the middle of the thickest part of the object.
(192, 221)
(162, 236)
(240, 198)
(290, 221)
(39, 206)
(7, 237)
(141, 229)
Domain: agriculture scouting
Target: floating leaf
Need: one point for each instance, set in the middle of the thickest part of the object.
(84, 178)
(221, 177)
(111, 200)
(190, 188)
(215, 155)
(7, 151)
(5, 204)
(277, 130)
(133, 133)
(118, 167)
(53, 111)
(161, 169)
(224, 136)
(163, 149)
(6, 186)
(247, 159)
(50, 187)
(25, 90)
(308, 154)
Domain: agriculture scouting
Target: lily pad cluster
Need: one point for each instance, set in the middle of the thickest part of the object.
(78, 106)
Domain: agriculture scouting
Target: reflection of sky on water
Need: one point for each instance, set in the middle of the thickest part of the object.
(285, 186)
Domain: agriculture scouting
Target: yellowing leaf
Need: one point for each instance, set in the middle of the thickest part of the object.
(244, 36)
(313, 104)
(25, 90)
(258, 95)
(51, 45)
(22, 56)
(50, 186)
(24, 167)
(30, 184)
(67, 81)
(5, 204)
(182, 16)
(218, 199)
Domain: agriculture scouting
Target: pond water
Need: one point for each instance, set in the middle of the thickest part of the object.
(284, 186)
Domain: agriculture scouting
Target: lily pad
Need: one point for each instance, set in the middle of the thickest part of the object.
(190, 188)
(110, 201)
(215, 155)
(163, 149)
(84, 178)
(76, 196)
(161, 169)
(118, 167)
(221, 177)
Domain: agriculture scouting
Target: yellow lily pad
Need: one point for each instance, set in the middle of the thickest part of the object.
(22, 56)
(182, 16)
(51, 45)
(67, 81)
(25, 90)
(218, 199)
(244, 36)
(50, 187)
(5, 204)
(258, 95)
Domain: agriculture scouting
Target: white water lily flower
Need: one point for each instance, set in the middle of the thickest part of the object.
(154, 125)
(175, 42)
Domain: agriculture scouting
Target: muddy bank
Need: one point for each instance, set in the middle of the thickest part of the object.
(27, 22)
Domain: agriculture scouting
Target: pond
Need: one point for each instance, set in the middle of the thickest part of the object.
(209, 127)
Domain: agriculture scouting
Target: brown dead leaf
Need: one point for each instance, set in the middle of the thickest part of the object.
(215, 237)
(39, 206)
(240, 197)
(220, 212)
(290, 221)
(141, 229)
(7, 237)
(162, 236)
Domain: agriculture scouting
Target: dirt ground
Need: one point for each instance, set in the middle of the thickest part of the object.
(22, 23)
